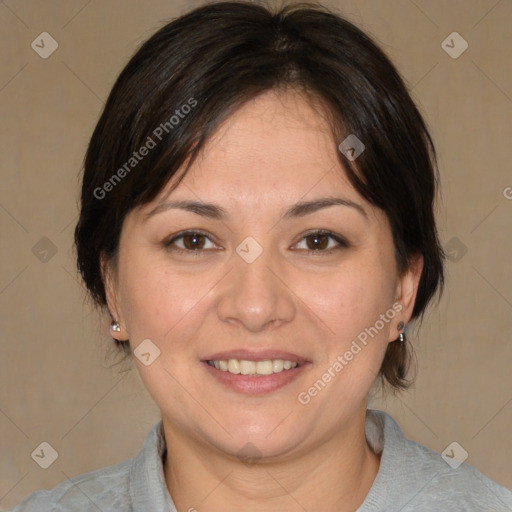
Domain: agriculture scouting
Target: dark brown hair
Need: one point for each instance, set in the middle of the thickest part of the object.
(200, 68)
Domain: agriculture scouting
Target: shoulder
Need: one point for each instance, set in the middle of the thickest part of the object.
(419, 479)
(463, 487)
(102, 489)
(133, 484)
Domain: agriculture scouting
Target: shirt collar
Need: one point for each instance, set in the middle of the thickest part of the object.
(385, 437)
(148, 490)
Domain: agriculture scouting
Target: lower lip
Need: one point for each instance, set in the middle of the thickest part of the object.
(252, 385)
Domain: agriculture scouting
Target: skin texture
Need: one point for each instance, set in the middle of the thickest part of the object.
(273, 152)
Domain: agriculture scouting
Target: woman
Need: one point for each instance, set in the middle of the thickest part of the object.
(257, 215)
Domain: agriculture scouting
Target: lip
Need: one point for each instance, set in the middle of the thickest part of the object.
(252, 355)
(256, 385)
(253, 385)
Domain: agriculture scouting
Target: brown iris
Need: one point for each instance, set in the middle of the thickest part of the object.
(193, 241)
(321, 241)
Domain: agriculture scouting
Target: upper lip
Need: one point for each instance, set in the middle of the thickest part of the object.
(256, 355)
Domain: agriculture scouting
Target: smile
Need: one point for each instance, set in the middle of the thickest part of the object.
(254, 377)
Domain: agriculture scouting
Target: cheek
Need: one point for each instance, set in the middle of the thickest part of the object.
(160, 303)
(349, 299)
(148, 299)
(349, 303)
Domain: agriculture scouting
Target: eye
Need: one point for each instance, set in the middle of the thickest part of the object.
(318, 241)
(192, 241)
(197, 241)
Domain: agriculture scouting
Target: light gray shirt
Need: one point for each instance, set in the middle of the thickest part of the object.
(411, 478)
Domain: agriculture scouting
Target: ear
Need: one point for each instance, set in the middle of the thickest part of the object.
(110, 283)
(406, 291)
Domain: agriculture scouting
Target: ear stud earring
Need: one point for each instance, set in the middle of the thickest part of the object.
(114, 326)
(401, 336)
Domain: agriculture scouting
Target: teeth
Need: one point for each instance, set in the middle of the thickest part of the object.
(252, 368)
(264, 368)
(233, 366)
(247, 367)
(277, 365)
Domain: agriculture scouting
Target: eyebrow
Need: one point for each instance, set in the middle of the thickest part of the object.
(214, 211)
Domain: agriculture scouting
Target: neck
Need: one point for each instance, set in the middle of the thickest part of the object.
(334, 475)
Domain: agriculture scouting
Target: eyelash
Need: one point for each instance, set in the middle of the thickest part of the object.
(343, 244)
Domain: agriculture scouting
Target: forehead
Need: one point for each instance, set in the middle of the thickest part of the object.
(274, 158)
(278, 144)
(275, 142)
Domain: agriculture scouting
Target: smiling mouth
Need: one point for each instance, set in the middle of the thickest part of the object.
(253, 368)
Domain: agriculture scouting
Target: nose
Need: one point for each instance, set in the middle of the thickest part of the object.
(256, 295)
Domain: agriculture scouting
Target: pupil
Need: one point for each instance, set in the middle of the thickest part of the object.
(316, 238)
(194, 239)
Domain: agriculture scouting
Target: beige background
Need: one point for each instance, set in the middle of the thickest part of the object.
(56, 384)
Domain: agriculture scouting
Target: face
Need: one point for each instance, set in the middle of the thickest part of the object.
(259, 283)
